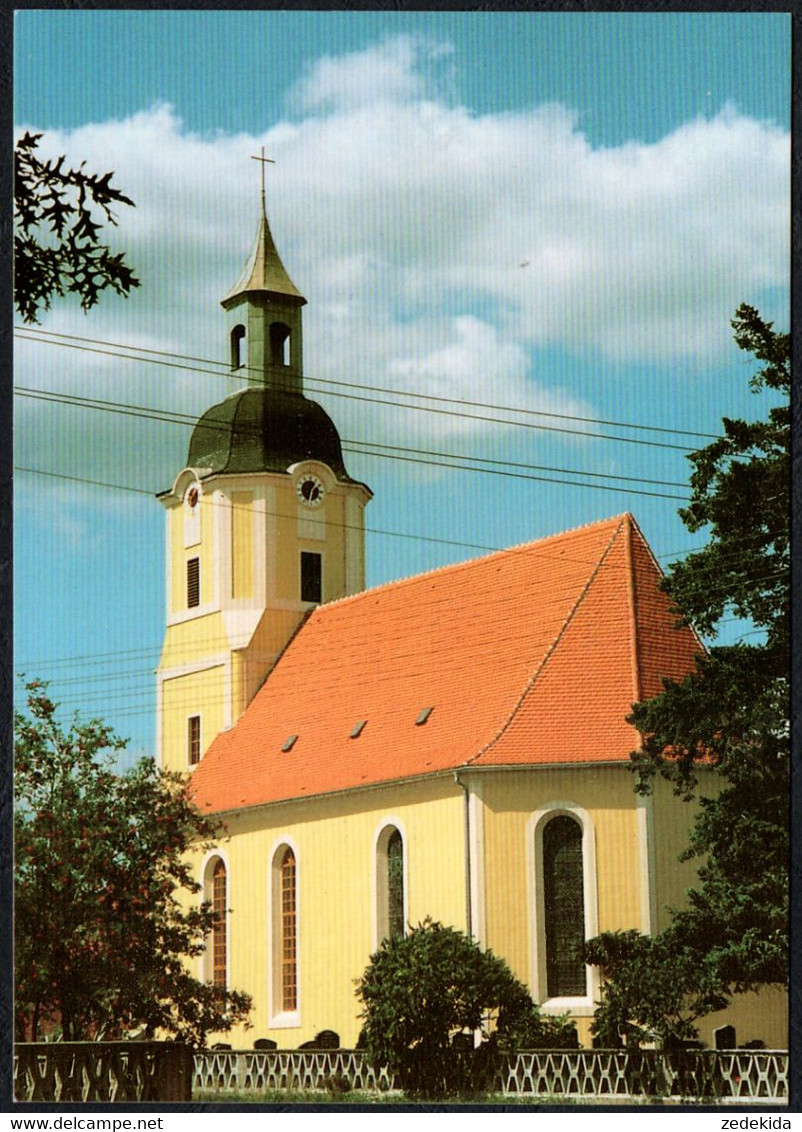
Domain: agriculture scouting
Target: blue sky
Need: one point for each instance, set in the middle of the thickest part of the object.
(551, 213)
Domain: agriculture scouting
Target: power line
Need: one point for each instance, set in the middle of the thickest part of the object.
(274, 514)
(429, 409)
(445, 460)
(734, 555)
(138, 353)
(713, 568)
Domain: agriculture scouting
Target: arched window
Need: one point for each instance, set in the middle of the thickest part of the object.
(219, 930)
(279, 344)
(237, 337)
(564, 906)
(284, 982)
(390, 916)
(289, 933)
(215, 891)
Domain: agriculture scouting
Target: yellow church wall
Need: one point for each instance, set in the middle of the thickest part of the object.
(179, 554)
(290, 540)
(200, 693)
(334, 841)
(242, 544)
(193, 640)
(510, 800)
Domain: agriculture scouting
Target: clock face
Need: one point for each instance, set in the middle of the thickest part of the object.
(310, 490)
(192, 496)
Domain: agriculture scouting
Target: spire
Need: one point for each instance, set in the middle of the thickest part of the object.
(264, 270)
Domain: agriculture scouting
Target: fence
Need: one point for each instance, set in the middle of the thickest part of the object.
(164, 1072)
(704, 1075)
(246, 1071)
(102, 1071)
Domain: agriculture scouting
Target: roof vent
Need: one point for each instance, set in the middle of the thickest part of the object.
(358, 728)
(424, 715)
(289, 743)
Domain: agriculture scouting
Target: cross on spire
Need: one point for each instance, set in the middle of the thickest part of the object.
(264, 161)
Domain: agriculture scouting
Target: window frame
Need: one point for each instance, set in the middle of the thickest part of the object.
(281, 1016)
(280, 343)
(193, 583)
(561, 833)
(208, 965)
(311, 554)
(381, 912)
(194, 742)
(237, 339)
(219, 964)
(578, 1005)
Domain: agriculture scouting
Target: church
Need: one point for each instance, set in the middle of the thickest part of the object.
(451, 745)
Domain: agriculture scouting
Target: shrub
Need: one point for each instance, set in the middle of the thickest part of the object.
(422, 991)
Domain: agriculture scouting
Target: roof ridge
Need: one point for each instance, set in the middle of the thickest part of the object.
(506, 551)
(622, 524)
(632, 598)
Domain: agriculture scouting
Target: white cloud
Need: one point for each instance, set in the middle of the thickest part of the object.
(390, 71)
(438, 248)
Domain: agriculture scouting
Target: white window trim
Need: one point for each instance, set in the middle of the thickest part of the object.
(581, 1005)
(379, 858)
(282, 1019)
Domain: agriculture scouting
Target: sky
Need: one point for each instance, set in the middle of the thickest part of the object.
(521, 236)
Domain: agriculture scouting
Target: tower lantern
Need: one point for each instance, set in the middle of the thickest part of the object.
(264, 308)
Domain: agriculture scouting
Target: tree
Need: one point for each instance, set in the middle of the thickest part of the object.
(731, 714)
(56, 236)
(421, 991)
(652, 991)
(100, 860)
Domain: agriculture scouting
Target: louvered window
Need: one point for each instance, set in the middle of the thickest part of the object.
(219, 929)
(193, 740)
(193, 582)
(289, 934)
(563, 883)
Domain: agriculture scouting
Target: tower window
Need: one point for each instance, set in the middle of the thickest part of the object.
(237, 338)
(279, 344)
(564, 899)
(311, 577)
(193, 740)
(193, 582)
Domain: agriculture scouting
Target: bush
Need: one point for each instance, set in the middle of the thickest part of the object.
(422, 991)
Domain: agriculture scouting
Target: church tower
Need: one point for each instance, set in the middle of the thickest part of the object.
(263, 523)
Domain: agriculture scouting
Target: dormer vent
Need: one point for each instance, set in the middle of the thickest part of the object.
(424, 715)
(358, 728)
(289, 743)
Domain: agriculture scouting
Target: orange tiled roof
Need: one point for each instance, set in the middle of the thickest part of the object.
(533, 655)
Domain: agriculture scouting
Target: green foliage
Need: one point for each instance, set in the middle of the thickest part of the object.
(730, 715)
(56, 237)
(651, 990)
(100, 860)
(423, 990)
